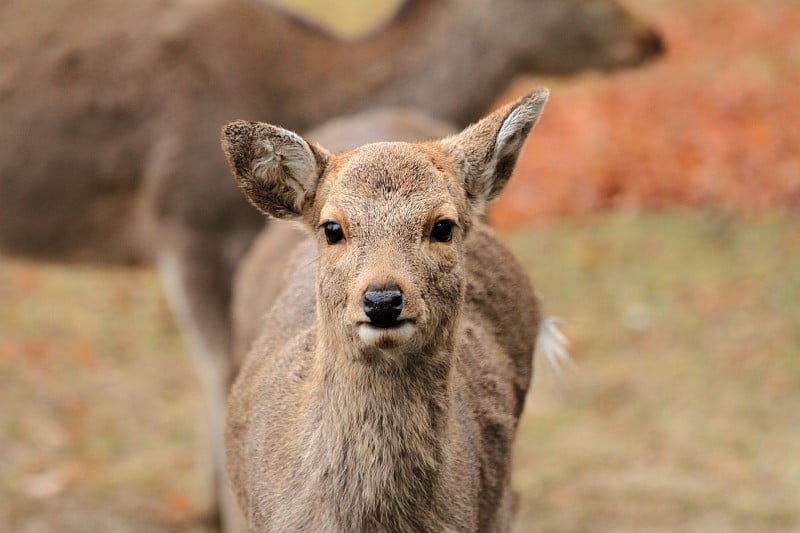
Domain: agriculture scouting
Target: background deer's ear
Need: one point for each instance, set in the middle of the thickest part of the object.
(488, 150)
(276, 168)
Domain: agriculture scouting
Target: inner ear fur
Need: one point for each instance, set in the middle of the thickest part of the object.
(276, 168)
(487, 151)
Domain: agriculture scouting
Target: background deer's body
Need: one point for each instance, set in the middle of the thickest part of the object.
(341, 421)
(99, 99)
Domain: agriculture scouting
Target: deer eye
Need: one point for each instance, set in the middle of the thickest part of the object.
(333, 232)
(442, 231)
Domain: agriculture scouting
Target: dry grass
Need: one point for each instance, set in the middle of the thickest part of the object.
(100, 426)
(352, 19)
(684, 413)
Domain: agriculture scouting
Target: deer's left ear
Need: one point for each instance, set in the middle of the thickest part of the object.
(487, 151)
(277, 169)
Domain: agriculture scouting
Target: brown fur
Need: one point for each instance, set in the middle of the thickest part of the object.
(109, 107)
(334, 429)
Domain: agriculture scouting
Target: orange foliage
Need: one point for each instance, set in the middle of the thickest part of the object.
(716, 122)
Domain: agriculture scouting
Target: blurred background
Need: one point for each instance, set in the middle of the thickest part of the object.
(656, 211)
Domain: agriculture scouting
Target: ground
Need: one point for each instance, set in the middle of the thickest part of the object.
(682, 411)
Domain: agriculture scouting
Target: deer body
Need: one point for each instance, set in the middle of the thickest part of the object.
(385, 389)
(391, 442)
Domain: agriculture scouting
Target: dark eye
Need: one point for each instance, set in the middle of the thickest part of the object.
(442, 231)
(333, 232)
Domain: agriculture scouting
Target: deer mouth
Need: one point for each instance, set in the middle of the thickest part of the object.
(387, 325)
(386, 335)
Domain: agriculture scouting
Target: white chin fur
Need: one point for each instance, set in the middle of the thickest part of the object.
(386, 338)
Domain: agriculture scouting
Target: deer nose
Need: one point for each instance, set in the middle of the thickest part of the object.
(383, 305)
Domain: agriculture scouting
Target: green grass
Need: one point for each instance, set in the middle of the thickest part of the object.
(683, 414)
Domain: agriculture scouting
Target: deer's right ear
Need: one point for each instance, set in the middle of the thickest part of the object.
(488, 150)
(276, 168)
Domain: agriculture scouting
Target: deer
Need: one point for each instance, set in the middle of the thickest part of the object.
(385, 388)
(108, 146)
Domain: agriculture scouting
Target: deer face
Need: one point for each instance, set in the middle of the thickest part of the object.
(389, 220)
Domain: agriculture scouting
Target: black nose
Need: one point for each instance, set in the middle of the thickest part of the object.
(383, 306)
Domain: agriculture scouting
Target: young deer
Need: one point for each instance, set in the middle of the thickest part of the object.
(385, 389)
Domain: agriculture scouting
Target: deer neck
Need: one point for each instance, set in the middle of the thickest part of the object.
(379, 434)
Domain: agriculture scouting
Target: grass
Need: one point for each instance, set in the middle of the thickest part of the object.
(684, 413)
(352, 19)
(99, 402)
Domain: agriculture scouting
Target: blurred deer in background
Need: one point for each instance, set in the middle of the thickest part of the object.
(108, 151)
(384, 391)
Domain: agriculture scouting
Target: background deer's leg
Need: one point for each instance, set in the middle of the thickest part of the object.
(197, 279)
(202, 227)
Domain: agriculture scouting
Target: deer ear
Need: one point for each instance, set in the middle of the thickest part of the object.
(488, 150)
(276, 168)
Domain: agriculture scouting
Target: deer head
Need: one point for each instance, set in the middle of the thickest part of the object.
(389, 220)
